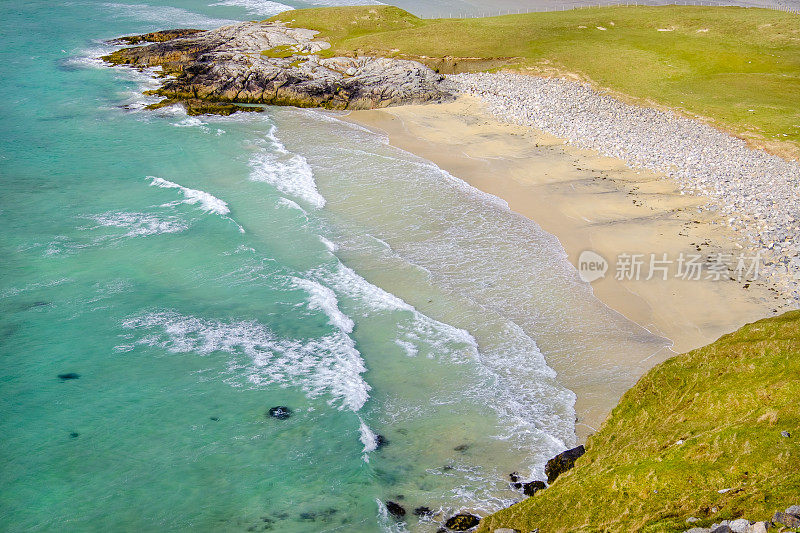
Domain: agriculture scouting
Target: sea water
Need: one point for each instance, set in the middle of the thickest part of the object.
(194, 272)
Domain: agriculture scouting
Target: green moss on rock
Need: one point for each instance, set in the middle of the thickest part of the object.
(196, 107)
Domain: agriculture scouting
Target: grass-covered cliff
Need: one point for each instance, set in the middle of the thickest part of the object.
(738, 67)
(699, 436)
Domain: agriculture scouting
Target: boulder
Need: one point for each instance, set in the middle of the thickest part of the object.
(462, 522)
(794, 510)
(395, 509)
(788, 520)
(721, 529)
(530, 488)
(739, 526)
(562, 462)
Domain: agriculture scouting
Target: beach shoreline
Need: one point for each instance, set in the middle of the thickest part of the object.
(597, 203)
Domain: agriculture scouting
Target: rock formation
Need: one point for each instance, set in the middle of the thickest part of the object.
(271, 63)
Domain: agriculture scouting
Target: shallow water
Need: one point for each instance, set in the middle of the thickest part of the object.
(197, 271)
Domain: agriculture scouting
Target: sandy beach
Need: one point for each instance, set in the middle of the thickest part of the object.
(596, 203)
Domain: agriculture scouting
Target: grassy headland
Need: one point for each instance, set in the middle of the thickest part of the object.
(739, 68)
(700, 423)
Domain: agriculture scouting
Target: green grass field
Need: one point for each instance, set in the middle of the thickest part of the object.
(699, 423)
(739, 68)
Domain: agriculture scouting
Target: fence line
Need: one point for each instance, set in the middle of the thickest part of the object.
(636, 3)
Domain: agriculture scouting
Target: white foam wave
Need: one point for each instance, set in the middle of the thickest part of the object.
(140, 224)
(324, 299)
(190, 122)
(291, 204)
(208, 202)
(329, 365)
(330, 245)
(289, 173)
(368, 437)
(263, 8)
(409, 347)
(345, 280)
(160, 16)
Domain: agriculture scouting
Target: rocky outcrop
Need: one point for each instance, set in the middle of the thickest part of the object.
(156, 36)
(532, 487)
(270, 63)
(562, 462)
(462, 522)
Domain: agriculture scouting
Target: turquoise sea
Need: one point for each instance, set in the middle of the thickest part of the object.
(184, 275)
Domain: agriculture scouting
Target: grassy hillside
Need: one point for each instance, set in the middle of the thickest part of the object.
(699, 423)
(738, 67)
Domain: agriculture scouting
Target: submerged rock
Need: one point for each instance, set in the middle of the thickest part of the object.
(462, 522)
(562, 462)
(280, 412)
(271, 63)
(395, 509)
(68, 376)
(381, 441)
(423, 511)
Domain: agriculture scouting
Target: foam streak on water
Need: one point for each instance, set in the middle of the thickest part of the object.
(289, 173)
(328, 365)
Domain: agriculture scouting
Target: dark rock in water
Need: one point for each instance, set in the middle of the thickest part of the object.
(423, 511)
(68, 376)
(514, 477)
(461, 447)
(280, 412)
(562, 462)
(462, 522)
(786, 519)
(530, 488)
(214, 418)
(516, 486)
(74, 435)
(395, 509)
(156, 36)
(381, 441)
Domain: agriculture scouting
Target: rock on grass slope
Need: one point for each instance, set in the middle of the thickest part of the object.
(712, 434)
